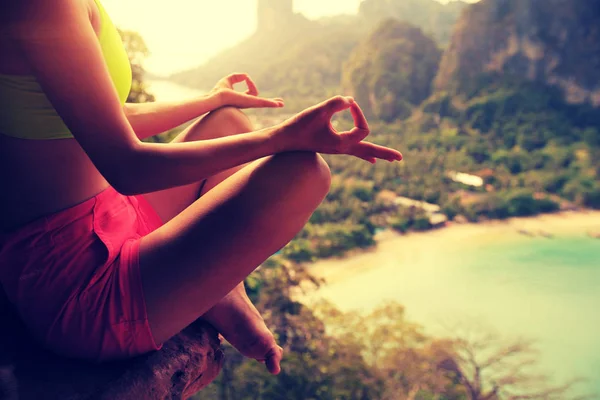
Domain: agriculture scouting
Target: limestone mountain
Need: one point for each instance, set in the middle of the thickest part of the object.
(552, 42)
(294, 56)
(434, 18)
(278, 28)
(392, 70)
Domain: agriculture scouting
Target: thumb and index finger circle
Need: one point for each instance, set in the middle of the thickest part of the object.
(341, 103)
(233, 79)
(361, 126)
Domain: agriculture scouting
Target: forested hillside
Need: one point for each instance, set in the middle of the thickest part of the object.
(391, 71)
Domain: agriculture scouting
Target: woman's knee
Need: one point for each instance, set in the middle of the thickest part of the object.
(224, 121)
(307, 171)
(231, 119)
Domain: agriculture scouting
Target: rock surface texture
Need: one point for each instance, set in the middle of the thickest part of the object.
(185, 365)
(555, 42)
(392, 70)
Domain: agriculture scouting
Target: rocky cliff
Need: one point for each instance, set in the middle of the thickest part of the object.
(185, 365)
(392, 70)
(554, 42)
(434, 18)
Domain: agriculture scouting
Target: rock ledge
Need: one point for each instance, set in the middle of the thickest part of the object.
(185, 365)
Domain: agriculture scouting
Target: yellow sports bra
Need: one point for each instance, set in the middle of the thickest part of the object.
(26, 112)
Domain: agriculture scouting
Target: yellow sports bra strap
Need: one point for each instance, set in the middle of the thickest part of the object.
(115, 55)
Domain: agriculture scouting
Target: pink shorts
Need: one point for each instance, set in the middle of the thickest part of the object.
(74, 277)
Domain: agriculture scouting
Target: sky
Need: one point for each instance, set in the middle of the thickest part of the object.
(182, 34)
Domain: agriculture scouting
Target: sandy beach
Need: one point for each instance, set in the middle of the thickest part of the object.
(456, 237)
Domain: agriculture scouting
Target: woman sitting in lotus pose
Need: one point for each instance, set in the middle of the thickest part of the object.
(109, 246)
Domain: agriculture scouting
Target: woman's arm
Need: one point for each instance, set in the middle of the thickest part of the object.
(58, 40)
(149, 119)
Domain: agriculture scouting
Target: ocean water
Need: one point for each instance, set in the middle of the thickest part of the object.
(165, 90)
(547, 290)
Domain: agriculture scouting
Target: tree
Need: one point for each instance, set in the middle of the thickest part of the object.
(491, 368)
(137, 52)
(408, 362)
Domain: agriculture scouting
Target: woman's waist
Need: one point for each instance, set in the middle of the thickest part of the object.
(26, 201)
(42, 178)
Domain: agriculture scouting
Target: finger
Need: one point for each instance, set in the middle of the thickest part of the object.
(363, 155)
(366, 150)
(354, 135)
(266, 103)
(236, 78)
(223, 84)
(252, 89)
(250, 101)
(273, 360)
(336, 104)
(360, 121)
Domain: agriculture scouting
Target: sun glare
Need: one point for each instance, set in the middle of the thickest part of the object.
(185, 33)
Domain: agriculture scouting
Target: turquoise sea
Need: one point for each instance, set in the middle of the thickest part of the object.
(539, 288)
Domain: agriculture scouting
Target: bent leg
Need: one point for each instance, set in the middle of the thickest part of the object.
(225, 121)
(234, 313)
(203, 253)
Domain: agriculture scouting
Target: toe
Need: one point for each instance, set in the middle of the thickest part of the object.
(273, 360)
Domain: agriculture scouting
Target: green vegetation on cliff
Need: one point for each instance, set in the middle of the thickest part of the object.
(554, 42)
(434, 18)
(392, 71)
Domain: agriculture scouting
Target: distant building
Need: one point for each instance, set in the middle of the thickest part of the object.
(466, 179)
(433, 211)
(407, 203)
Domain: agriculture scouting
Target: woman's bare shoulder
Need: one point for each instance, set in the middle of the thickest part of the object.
(39, 20)
(20, 17)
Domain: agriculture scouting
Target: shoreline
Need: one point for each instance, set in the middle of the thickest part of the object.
(457, 237)
(467, 276)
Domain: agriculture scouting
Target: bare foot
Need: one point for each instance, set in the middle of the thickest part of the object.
(240, 323)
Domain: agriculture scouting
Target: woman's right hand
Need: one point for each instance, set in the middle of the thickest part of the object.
(311, 130)
(227, 96)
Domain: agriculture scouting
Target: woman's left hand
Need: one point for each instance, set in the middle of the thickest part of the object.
(227, 96)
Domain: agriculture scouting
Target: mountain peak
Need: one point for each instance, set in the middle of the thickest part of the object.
(273, 14)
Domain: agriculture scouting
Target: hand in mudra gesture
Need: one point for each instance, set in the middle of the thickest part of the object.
(227, 96)
(311, 130)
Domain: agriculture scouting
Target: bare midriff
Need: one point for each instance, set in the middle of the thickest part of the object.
(42, 177)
